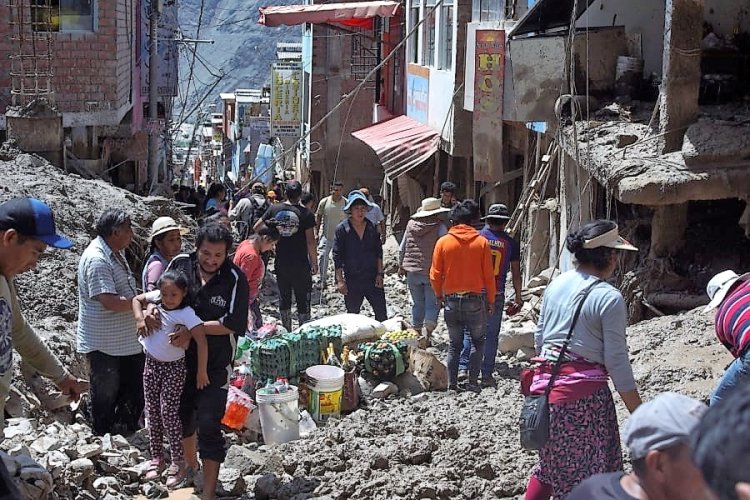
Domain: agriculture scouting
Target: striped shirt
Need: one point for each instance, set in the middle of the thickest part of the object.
(101, 271)
(733, 320)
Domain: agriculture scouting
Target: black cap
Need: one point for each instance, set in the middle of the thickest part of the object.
(497, 211)
(293, 187)
(32, 217)
(447, 187)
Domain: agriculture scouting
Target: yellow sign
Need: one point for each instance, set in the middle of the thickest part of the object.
(286, 99)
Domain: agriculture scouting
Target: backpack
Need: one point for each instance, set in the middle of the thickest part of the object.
(257, 211)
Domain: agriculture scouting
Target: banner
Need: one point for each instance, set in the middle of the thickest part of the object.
(489, 75)
(286, 99)
(417, 92)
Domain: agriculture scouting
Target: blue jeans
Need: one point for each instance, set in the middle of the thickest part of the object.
(490, 344)
(737, 375)
(465, 313)
(425, 308)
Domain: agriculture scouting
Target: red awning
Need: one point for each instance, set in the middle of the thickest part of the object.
(401, 143)
(325, 13)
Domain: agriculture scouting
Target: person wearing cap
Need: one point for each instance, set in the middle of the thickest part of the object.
(506, 256)
(375, 214)
(296, 254)
(249, 210)
(658, 436)
(106, 327)
(582, 417)
(329, 214)
(462, 278)
(415, 259)
(166, 242)
(27, 228)
(358, 259)
(721, 447)
(730, 293)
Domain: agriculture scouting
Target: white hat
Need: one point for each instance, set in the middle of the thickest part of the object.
(164, 225)
(610, 239)
(719, 286)
(430, 206)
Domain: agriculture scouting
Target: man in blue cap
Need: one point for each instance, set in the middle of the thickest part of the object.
(27, 227)
(358, 258)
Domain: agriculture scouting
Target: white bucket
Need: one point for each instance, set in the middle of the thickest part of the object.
(279, 415)
(326, 385)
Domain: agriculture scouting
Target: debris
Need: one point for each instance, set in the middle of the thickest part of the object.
(625, 140)
(384, 389)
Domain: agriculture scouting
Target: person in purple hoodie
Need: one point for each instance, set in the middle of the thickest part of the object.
(506, 256)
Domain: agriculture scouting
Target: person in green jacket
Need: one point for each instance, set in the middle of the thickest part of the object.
(27, 227)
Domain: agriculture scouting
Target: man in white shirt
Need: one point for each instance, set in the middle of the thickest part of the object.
(375, 215)
(329, 214)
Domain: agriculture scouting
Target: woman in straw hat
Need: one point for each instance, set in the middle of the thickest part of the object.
(415, 258)
(166, 243)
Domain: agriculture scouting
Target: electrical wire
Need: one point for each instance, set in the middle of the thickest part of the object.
(192, 62)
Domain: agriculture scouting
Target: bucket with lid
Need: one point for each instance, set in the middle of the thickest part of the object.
(326, 385)
(279, 415)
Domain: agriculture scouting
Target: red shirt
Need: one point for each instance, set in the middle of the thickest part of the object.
(733, 320)
(251, 264)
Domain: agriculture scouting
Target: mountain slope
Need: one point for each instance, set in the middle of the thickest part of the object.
(243, 49)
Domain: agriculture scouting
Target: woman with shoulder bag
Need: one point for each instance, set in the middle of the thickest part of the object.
(583, 318)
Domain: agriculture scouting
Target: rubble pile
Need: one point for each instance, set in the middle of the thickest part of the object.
(410, 444)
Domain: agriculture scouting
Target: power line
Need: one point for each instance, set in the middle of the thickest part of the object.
(192, 62)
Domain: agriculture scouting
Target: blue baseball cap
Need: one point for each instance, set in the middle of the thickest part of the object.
(356, 196)
(32, 217)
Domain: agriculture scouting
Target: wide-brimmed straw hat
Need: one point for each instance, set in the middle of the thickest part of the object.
(164, 225)
(719, 286)
(430, 206)
(610, 239)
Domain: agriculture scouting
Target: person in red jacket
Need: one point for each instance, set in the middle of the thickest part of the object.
(463, 279)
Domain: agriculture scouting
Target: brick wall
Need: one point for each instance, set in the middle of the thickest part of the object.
(92, 71)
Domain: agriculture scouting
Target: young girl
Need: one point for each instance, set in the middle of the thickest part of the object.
(164, 373)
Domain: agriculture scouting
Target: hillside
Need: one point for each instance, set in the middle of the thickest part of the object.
(242, 48)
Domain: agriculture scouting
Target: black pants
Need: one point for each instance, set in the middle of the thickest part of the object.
(203, 410)
(116, 391)
(298, 281)
(359, 290)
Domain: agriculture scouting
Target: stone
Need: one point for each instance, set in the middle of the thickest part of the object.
(55, 461)
(89, 450)
(106, 482)
(120, 442)
(81, 469)
(384, 389)
(231, 482)
(485, 471)
(19, 427)
(45, 444)
(625, 140)
(245, 460)
(513, 338)
(380, 463)
(266, 486)
(19, 450)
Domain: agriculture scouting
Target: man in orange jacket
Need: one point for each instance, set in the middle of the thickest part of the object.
(464, 283)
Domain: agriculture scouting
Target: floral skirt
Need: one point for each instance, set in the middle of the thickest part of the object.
(584, 439)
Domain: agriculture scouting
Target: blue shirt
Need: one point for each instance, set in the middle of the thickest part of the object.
(504, 250)
(357, 257)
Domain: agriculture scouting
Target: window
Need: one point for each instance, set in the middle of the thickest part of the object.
(487, 10)
(416, 37)
(446, 35)
(428, 52)
(62, 15)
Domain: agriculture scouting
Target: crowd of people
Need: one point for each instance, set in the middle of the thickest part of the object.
(168, 348)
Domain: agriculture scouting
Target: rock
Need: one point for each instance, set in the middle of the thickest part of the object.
(380, 462)
(512, 338)
(384, 389)
(244, 460)
(45, 444)
(120, 442)
(231, 482)
(525, 353)
(19, 427)
(266, 486)
(543, 278)
(106, 482)
(485, 471)
(33, 480)
(625, 140)
(89, 450)
(81, 469)
(55, 461)
(155, 490)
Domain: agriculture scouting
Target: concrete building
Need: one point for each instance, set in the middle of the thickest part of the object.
(646, 123)
(94, 63)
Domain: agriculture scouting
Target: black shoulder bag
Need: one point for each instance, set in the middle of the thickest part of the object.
(534, 420)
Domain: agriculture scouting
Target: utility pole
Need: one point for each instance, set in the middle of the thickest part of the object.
(153, 94)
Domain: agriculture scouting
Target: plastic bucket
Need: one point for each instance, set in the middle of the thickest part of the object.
(326, 385)
(238, 407)
(279, 415)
